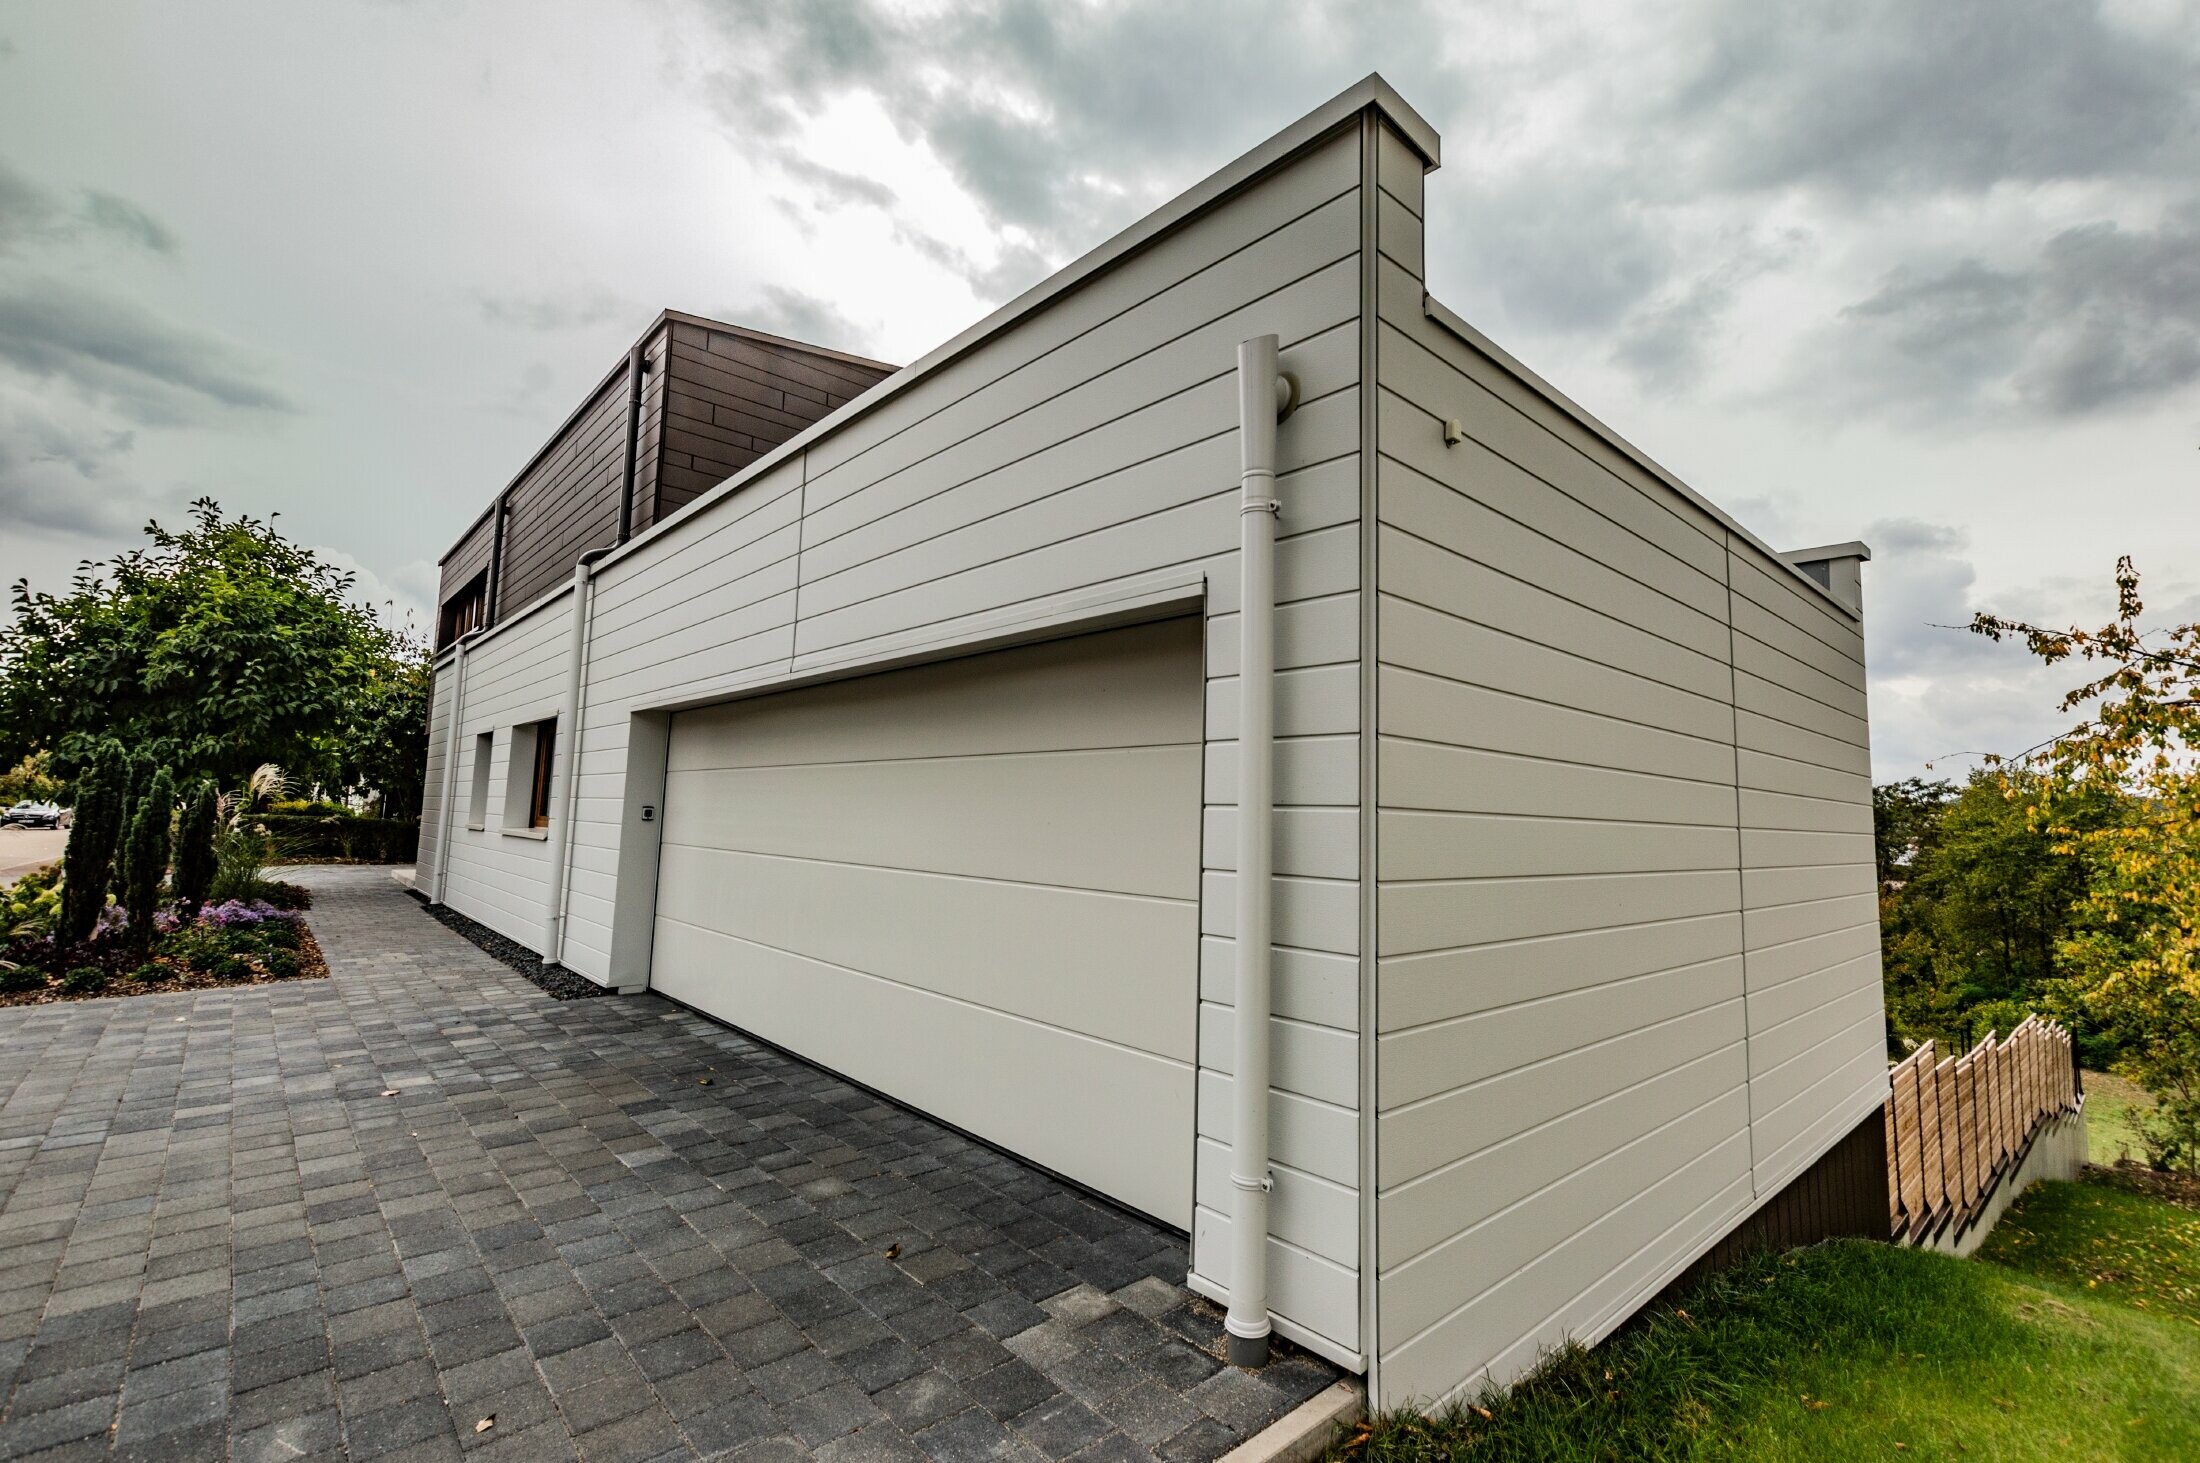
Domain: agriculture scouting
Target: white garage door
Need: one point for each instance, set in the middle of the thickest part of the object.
(973, 886)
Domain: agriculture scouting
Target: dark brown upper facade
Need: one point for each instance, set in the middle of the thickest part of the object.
(695, 402)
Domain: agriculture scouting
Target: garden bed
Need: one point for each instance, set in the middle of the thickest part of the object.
(230, 945)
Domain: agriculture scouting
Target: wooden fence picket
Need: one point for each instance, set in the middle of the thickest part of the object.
(1957, 1124)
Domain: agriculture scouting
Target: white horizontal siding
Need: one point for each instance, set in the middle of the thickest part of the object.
(1616, 846)
(1817, 1034)
(1082, 447)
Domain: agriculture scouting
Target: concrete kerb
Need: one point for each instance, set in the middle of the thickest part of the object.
(1304, 1433)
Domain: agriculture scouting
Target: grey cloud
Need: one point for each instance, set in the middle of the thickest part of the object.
(2120, 316)
(27, 211)
(1667, 343)
(2103, 318)
(60, 477)
(570, 310)
(1572, 251)
(1004, 93)
(1939, 694)
(1892, 94)
(150, 370)
(798, 316)
(33, 213)
(832, 188)
(128, 222)
(1017, 266)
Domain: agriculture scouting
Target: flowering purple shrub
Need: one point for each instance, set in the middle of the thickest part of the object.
(242, 913)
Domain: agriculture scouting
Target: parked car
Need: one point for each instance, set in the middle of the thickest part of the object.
(32, 815)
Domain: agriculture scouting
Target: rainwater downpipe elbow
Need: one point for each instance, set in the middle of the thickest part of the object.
(1265, 396)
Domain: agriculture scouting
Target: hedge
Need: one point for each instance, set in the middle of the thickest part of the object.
(372, 840)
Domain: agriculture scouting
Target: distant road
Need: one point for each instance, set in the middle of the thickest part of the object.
(25, 849)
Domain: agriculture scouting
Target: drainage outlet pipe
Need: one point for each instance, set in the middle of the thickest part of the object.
(1264, 396)
(567, 789)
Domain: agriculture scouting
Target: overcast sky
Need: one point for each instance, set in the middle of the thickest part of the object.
(1926, 274)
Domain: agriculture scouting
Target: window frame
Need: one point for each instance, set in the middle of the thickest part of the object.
(542, 777)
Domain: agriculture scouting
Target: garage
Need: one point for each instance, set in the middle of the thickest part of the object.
(972, 885)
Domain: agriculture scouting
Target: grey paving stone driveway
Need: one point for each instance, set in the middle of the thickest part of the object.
(219, 1238)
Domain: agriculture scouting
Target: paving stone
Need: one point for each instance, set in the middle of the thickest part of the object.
(266, 1257)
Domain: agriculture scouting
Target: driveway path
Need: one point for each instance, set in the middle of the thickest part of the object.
(359, 1217)
(25, 849)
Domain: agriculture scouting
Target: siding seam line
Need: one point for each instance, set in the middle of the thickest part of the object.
(1741, 875)
(1368, 1172)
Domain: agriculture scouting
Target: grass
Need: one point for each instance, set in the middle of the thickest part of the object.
(2107, 1241)
(1857, 1350)
(2110, 1133)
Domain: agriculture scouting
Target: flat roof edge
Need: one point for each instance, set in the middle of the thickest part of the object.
(1450, 320)
(1371, 92)
(784, 342)
(1819, 553)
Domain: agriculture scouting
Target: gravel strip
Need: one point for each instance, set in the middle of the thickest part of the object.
(556, 981)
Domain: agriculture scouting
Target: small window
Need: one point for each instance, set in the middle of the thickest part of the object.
(538, 796)
(464, 611)
(527, 778)
(477, 802)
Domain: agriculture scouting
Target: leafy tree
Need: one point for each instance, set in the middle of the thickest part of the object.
(195, 831)
(31, 778)
(2132, 959)
(1905, 817)
(222, 646)
(1977, 898)
(88, 862)
(383, 745)
(145, 857)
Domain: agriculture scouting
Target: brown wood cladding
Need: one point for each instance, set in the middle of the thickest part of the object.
(567, 503)
(729, 399)
(714, 400)
(467, 558)
(1841, 1196)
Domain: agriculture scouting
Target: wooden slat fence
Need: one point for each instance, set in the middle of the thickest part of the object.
(1956, 1124)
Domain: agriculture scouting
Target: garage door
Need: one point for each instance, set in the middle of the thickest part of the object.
(973, 886)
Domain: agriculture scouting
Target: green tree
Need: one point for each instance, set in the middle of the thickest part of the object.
(1905, 818)
(1979, 897)
(383, 746)
(195, 833)
(222, 646)
(145, 858)
(2132, 958)
(88, 861)
(31, 778)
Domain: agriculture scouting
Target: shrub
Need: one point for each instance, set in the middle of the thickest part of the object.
(344, 835)
(16, 979)
(241, 856)
(282, 964)
(89, 861)
(195, 861)
(151, 972)
(145, 858)
(232, 967)
(287, 897)
(84, 980)
(30, 906)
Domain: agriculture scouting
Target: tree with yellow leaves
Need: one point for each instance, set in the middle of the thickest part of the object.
(2131, 961)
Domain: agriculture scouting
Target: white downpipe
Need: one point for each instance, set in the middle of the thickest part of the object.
(569, 732)
(450, 768)
(1262, 398)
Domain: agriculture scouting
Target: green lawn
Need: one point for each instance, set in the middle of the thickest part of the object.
(2074, 1335)
(2109, 1132)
